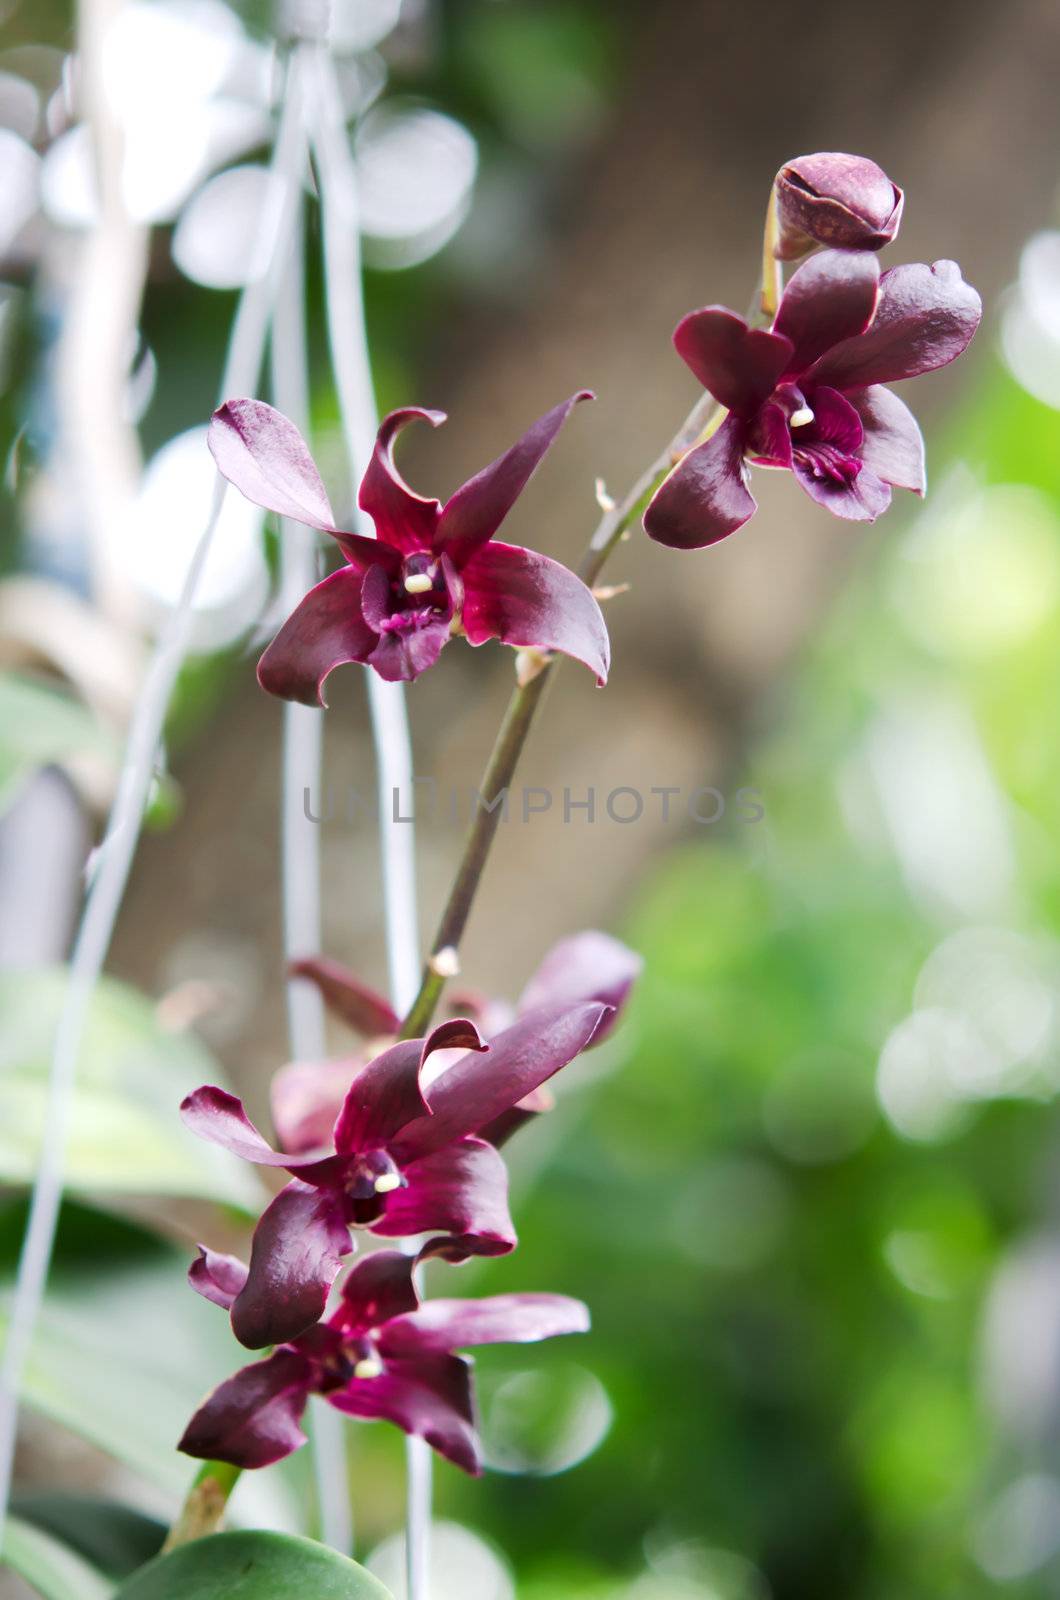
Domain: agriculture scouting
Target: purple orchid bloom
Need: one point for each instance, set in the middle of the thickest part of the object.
(397, 1163)
(432, 570)
(831, 198)
(808, 396)
(380, 1356)
(307, 1095)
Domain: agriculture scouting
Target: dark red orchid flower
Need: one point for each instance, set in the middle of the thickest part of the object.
(845, 202)
(380, 1356)
(807, 395)
(398, 1163)
(306, 1096)
(432, 570)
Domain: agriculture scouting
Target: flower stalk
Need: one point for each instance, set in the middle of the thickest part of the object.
(518, 719)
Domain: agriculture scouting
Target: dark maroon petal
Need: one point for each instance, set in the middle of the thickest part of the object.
(738, 365)
(705, 498)
(252, 1419)
(218, 1116)
(429, 1397)
(478, 1088)
(443, 1325)
(402, 518)
(324, 631)
(361, 1008)
(217, 1277)
(379, 1286)
(835, 422)
(769, 438)
(893, 446)
(476, 511)
(385, 1095)
(829, 298)
(925, 318)
(367, 554)
(832, 198)
(400, 655)
(305, 1097)
(585, 966)
(462, 1192)
(527, 600)
(265, 457)
(298, 1248)
(863, 499)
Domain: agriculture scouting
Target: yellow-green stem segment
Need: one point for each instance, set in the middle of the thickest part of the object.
(204, 1506)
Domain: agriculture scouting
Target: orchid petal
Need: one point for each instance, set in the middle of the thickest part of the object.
(831, 297)
(385, 1095)
(836, 430)
(893, 445)
(363, 1009)
(863, 499)
(529, 601)
(476, 1089)
(399, 656)
(476, 511)
(217, 1277)
(380, 1286)
(219, 1117)
(705, 498)
(265, 457)
(769, 437)
(324, 631)
(403, 519)
(461, 1191)
(429, 1397)
(585, 966)
(305, 1097)
(925, 317)
(298, 1248)
(444, 1325)
(252, 1419)
(738, 365)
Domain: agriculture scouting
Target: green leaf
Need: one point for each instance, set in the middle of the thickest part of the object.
(126, 1134)
(48, 1567)
(41, 726)
(112, 1537)
(252, 1566)
(124, 1351)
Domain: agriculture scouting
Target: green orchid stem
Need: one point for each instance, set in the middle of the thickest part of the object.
(205, 1503)
(518, 719)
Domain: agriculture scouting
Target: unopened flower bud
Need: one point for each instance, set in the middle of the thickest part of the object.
(844, 202)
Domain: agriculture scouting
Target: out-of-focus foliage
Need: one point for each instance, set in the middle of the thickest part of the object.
(40, 726)
(53, 1569)
(133, 1073)
(799, 1207)
(123, 1352)
(113, 1538)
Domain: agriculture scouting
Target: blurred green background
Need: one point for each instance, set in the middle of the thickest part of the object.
(809, 1191)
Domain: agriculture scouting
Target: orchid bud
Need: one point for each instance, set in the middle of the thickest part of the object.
(844, 202)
